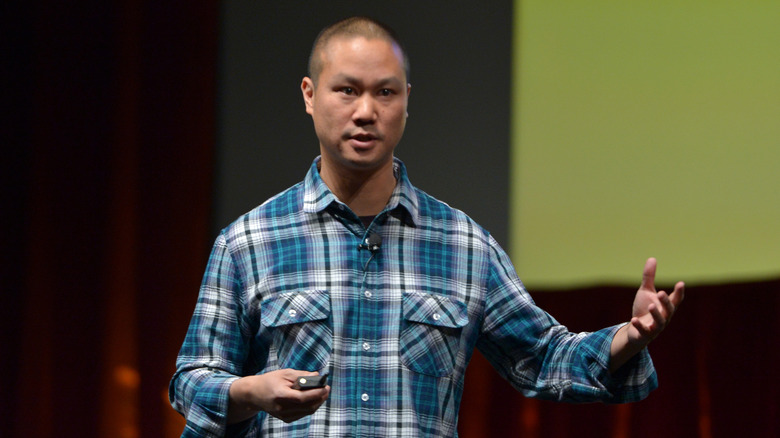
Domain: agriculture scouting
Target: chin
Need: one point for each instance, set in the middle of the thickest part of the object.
(367, 163)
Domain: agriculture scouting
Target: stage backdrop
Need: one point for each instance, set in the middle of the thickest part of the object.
(645, 129)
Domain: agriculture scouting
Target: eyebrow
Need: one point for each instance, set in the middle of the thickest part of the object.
(392, 80)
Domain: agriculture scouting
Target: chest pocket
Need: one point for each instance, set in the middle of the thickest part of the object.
(430, 336)
(301, 326)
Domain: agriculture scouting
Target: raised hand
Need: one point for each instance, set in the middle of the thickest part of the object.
(651, 312)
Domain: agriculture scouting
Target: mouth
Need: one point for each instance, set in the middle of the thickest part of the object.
(363, 139)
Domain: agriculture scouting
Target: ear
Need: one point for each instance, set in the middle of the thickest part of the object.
(408, 92)
(307, 89)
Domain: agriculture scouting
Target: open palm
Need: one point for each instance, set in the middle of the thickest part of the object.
(652, 310)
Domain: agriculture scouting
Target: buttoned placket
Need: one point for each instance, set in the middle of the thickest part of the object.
(369, 314)
(363, 333)
(366, 310)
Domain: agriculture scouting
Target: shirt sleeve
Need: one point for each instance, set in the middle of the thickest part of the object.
(214, 349)
(542, 359)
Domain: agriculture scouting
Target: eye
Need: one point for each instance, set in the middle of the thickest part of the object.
(349, 91)
(386, 92)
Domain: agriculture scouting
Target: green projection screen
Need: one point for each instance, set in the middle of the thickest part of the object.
(645, 129)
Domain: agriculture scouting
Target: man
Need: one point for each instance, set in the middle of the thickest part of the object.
(356, 274)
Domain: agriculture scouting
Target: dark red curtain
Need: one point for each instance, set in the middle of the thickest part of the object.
(108, 120)
(106, 204)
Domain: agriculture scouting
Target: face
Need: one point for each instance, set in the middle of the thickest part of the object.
(358, 104)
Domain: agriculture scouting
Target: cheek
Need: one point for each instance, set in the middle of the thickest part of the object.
(396, 119)
(330, 128)
(324, 121)
(333, 116)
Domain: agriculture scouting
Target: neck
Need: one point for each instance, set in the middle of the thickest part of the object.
(365, 192)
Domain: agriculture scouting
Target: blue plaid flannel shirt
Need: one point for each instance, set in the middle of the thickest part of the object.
(287, 287)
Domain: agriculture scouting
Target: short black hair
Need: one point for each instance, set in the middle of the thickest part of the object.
(353, 27)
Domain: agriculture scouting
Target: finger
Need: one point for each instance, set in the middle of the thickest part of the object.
(645, 331)
(666, 305)
(289, 374)
(300, 397)
(679, 293)
(315, 395)
(659, 320)
(305, 403)
(648, 322)
(648, 275)
(656, 319)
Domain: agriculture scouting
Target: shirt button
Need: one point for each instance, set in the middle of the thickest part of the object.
(366, 346)
(292, 313)
(364, 397)
(436, 317)
(367, 294)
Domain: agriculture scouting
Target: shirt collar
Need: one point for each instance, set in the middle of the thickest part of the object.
(317, 196)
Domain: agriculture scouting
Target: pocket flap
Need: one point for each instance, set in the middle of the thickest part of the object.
(437, 310)
(295, 307)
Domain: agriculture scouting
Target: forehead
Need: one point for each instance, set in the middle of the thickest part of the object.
(359, 54)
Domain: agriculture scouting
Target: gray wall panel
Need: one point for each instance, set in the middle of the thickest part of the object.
(456, 144)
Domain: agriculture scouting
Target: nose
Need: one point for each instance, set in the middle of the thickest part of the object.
(365, 112)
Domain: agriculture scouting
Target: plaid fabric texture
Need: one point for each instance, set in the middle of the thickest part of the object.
(287, 287)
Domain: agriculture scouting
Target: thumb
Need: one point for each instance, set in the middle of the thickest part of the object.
(648, 275)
